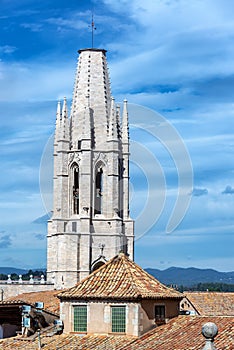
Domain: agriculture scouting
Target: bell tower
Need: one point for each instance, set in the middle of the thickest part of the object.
(90, 222)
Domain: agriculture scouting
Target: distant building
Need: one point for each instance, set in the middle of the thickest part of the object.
(90, 222)
(208, 303)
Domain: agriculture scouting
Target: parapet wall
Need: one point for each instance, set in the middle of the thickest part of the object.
(13, 288)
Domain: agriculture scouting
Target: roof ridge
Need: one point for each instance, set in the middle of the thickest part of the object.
(140, 269)
(130, 273)
(121, 278)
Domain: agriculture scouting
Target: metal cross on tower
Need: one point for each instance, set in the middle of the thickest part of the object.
(93, 29)
(101, 246)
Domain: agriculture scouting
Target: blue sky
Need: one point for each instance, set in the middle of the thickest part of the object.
(175, 57)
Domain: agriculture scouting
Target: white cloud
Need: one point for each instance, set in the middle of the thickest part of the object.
(195, 44)
(7, 49)
(36, 81)
(68, 23)
(34, 27)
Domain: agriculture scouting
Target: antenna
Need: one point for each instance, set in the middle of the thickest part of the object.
(93, 29)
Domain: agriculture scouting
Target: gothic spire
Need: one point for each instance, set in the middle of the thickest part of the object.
(86, 132)
(125, 126)
(92, 79)
(113, 127)
(91, 177)
(58, 122)
(64, 111)
(64, 121)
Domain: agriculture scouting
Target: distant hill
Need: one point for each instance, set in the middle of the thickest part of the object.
(173, 275)
(43, 219)
(10, 270)
(191, 276)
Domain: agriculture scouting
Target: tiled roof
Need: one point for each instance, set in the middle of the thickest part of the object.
(49, 298)
(120, 278)
(212, 303)
(68, 342)
(184, 333)
(180, 333)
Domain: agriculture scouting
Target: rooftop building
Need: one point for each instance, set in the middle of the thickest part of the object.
(120, 298)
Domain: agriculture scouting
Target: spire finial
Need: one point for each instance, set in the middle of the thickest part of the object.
(64, 111)
(125, 124)
(58, 114)
(58, 121)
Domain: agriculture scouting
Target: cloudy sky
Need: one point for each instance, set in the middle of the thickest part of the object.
(174, 59)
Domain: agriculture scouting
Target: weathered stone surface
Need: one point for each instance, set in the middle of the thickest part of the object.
(14, 289)
(90, 155)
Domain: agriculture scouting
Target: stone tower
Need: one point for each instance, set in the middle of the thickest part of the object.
(90, 222)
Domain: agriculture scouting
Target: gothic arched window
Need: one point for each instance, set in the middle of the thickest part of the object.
(76, 195)
(98, 191)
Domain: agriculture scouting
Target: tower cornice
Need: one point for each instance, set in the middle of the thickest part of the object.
(92, 49)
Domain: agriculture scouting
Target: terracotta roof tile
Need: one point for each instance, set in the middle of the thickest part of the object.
(181, 333)
(68, 342)
(184, 333)
(119, 278)
(49, 298)
(212, 303)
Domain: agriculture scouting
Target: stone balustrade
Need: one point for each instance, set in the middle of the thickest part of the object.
(31, 280)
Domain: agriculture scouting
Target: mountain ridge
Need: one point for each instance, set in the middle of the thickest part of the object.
(190, 276)
(8, 270)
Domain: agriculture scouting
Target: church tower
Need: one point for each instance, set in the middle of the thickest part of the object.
(90, 222)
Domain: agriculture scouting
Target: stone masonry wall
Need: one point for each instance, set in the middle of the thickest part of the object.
(8, 290)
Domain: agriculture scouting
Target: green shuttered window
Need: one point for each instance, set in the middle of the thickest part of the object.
(118, 315)
(80, 318)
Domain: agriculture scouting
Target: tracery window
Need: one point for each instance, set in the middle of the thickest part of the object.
(76, 195)
(99, 191)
